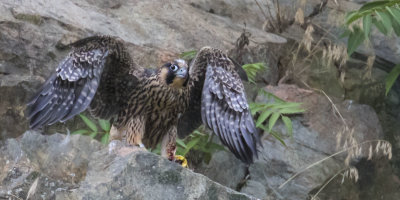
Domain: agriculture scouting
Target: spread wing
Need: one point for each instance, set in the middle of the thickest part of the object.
(217, 97)
(90, 75)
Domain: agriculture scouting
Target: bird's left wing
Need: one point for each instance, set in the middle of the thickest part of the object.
(90, 76)
(217, 97)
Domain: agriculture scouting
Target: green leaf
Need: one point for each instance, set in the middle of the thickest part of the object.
(373, 5)
(273, 120)
(181, 143)
(89, 123)
(80, 131)
(263, 117)
(286, 105)
(352, 16)
(215, 147)
(255, 107)
(197, 133)
(355, 39)
(395, 16)
(93, 134)
(278, 137)
(190, 145)
(385, 19)
(179, 151)
(272, 132)
(269, 95)
(346, 33)
(260, 107)
(105, 125)
(392, 77)
(395, 13)
(380, 26)
(104, 138)
(292, 110)
(188, 55)
(367, 21)
(263, 127)
(396, 28)
(252, 70)
(288, 124)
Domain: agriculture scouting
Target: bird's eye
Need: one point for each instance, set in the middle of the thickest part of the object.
(173, 67)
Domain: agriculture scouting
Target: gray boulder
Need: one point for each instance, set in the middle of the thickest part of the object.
(77, 167)
(315, 137)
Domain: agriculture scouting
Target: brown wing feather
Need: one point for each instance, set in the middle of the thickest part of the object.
(217, 97)
(92, 74)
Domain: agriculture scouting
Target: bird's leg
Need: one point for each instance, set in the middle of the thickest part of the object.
(168, 147)
(115, 133)
(131, 132)
(135, 131)
(116, 136)
(122, 139)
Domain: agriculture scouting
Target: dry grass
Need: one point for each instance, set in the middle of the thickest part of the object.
(316, 43)
(335, 53)
(308, 38)
(299, 17)
(382, 147)
(370, 63)
(346, 143)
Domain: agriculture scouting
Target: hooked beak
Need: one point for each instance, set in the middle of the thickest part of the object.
(182, 72)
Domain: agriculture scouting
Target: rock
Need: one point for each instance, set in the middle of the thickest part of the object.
(277, 163)
(255, 188)
(77, 167)
(238, 11)
(58, 162)
(218, 171)
(146, 176)
(363, 89)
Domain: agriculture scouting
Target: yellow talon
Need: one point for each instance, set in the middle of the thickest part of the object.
(181, 160)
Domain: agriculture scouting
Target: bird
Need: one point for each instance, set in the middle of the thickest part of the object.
(149, 106)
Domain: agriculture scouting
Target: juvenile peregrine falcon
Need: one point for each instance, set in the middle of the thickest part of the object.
(149, 106)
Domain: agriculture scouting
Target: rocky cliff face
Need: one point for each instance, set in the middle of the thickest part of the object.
(77, 167)
(34, 37)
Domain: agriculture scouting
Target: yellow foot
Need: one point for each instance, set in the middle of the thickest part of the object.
(181, 160)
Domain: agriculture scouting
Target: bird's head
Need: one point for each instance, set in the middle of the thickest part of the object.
(175, 73)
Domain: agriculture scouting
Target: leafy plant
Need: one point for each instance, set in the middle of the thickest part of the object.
(270, 113)
(252, 70)
(197, 141)
(188, 55)
(385, 15)
(93, 130)
(391, 78)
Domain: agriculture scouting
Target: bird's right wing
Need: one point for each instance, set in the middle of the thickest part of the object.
(217, 98)
(90, 75)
